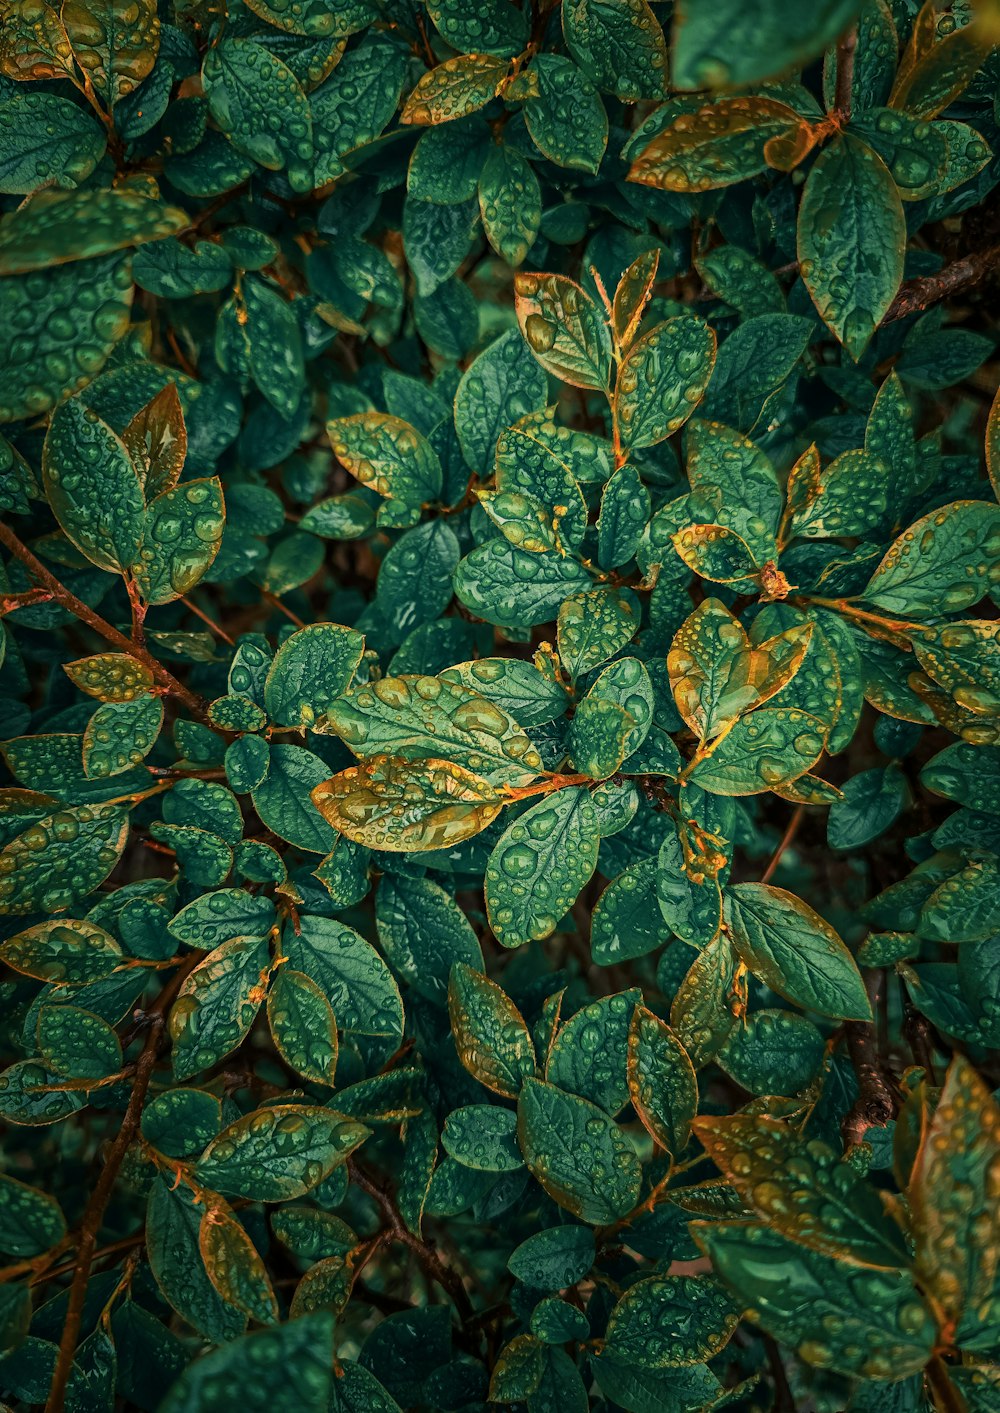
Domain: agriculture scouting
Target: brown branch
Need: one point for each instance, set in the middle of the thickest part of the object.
(962, 274)
(96, 1207)
(787, 838)
(874, 1106)
(93, 620)
(845, 74)
(426, 1254)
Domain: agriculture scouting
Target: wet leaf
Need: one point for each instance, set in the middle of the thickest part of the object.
(280, 1151)
(851, 234)
(390, 803)
(581, 1157)
(794, 951)
(539, 865)
(491, 1037)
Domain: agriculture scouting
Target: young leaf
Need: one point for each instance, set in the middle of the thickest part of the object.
(564, 329)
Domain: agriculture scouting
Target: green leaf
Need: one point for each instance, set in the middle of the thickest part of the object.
(588, 1054)
(278, 1152)
(581, 1157)
(946, 561)
(303, 1025)
(217, 1004)
(358, 99)
(120, 735)
(594, 626)
(662, 380)
(625, 507)
(873, 1325)
(510, 203)
(539, 865)
(599, 736)
(723, 45)
(292, 1361)
(773, 1052)
(388, 455)
(491, 1038)
(513, 587)
(625, 922)
(31, 1221)
(63, 950)
(554, 1258)
(768, 748)
(669, 1322)
(483, 1136)
(401, 806)
(222, 915)
(849, 498)
(422, 718)
(260, 106)
(310, 671)
(564, 329)
(424, 933)
(77, 1044)
(47, 141)
(43, 362)
(803, 1190)
(349, 972)
(93, 487)
(915, 151)
(566, 118)
(851, 235)
(791, 949)
(501, 385)
(173, 1220)
(61, 858)
(283, 799)
(181, 536)
(180, 1122)
(620, 47)
(871, 804)
(661, 1080)
(268, 342)
(59, 226)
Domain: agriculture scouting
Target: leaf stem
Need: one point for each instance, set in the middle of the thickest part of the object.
(93, 620)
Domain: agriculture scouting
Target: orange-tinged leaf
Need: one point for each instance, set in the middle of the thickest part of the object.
(955, 1212)
(803, 1190)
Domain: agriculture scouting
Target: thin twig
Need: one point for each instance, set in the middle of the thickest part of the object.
(786, 839)
(96, 1207)
(426, 1254)
(86, 614)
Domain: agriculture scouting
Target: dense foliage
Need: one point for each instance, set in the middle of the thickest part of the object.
(500, 804)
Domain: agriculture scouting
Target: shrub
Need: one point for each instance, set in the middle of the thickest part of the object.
(500, 822)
